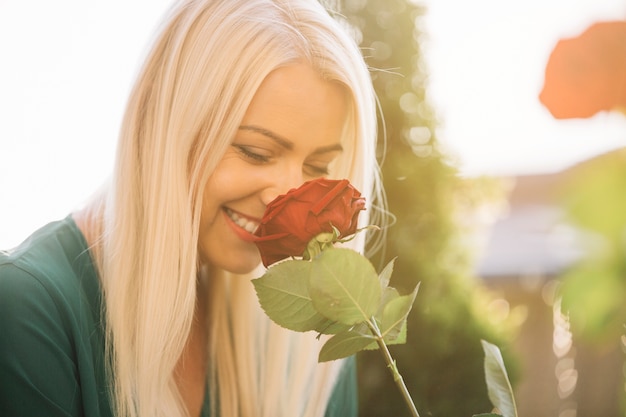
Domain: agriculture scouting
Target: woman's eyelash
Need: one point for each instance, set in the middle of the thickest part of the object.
(246, 152)
(318, 170)
(252, 155)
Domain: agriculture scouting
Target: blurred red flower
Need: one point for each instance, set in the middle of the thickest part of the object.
(587, 74)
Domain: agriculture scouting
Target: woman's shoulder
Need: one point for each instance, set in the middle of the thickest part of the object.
(51, 327)
(54, 262)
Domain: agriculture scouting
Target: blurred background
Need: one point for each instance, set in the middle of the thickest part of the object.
(513, 220)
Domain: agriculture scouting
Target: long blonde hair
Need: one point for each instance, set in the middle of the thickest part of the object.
(191, 94)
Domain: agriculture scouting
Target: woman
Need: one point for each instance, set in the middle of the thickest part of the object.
(141, 304)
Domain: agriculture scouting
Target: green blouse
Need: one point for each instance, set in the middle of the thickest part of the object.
(51, 332)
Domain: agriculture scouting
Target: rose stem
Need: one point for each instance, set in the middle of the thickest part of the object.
(391, 364)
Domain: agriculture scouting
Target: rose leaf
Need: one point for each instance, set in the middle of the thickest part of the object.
(284, 296)
(394, 317)
(385, 274)
(389, 293)
(344, 286)
(330, 327)
(343, 345)
(391, 318)
(363, 329)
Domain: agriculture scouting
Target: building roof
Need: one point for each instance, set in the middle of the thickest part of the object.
(531, 240)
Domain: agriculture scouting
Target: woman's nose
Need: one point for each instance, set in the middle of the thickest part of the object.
(281, 184)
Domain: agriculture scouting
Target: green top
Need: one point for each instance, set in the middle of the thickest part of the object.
(51, 332)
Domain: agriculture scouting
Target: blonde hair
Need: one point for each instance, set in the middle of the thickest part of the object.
(191, 94)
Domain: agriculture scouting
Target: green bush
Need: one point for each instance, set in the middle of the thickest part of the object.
(442, 362)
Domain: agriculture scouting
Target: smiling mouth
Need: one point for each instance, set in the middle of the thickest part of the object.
(245, 223)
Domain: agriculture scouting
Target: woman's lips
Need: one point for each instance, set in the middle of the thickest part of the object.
(243, 225)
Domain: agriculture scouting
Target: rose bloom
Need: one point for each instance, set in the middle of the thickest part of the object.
(293, 219)
(587, 74)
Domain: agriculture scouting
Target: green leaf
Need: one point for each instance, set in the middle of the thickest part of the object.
(487, 415)
(498, 385)
(284, 296)
(344, 286)
(363, 329)
(331, 327)
(395, 315)
(391, 318)
(398, 340)
(343, 345)
(385, 275)
(388, 294)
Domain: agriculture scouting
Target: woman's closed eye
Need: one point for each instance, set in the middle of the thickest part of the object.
(313, 170)
(249, 153)
(318, 167)
(318, 164)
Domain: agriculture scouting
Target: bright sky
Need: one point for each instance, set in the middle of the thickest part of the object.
(67, 67)
(486, 59)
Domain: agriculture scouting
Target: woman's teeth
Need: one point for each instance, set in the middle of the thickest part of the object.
(248, 225)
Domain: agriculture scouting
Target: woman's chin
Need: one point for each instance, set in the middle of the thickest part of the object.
(235, 257)
(243, 270)
(241, 266)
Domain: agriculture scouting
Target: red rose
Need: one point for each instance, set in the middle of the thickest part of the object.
(293, 219)
(587, 74)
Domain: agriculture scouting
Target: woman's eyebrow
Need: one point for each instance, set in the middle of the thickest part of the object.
(286, 143)
(330, 148)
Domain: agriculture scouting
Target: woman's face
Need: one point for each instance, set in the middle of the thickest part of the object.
(290, 134)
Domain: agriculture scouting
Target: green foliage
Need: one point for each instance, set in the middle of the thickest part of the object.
(593, 291)
(394, 317)
(344, 286)
(344, 344)
(337, 292)
(442, 360)
(498, 385)
(284, 291)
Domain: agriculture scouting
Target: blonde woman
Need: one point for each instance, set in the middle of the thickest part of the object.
(141, 303)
